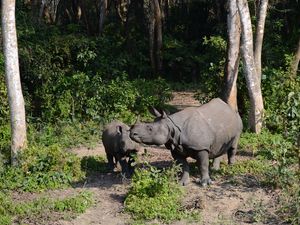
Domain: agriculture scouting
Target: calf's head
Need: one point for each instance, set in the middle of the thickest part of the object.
(126, 144)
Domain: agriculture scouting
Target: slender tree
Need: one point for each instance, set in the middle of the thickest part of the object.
(102, 15)
(259, 35)
(155, 35)
(12, 77)
(233, 54)
(252, 78)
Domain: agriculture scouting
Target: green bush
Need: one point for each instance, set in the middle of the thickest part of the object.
(155, 194)
(18, 211)
(42, 168)
(282, 101)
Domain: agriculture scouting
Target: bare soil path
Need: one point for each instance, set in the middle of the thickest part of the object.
(223, 202)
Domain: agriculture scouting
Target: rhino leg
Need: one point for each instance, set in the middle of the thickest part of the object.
(185, 168)
(203, 164)
(216, 163)
(232, 151)
(130, 163)
(110, 159)
(124, 166)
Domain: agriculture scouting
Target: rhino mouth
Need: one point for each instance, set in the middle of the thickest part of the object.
(135, 138)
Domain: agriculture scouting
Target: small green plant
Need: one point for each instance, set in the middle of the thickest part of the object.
(18, 211)
(155, 194)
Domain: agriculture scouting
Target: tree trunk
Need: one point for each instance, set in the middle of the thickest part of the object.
(155, 36)
(260, 27)
(152, 36)
(158, 36)
(233, 55)
(102, 15)
(295, 63)
(252, 79)
(12, 77)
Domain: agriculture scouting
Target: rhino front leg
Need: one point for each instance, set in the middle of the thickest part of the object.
(185, 168)
(110, 160)
(203, 164)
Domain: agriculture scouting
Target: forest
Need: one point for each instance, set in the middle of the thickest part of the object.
(68, 68)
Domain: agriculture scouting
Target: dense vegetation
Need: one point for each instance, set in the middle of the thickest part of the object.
(74, 81)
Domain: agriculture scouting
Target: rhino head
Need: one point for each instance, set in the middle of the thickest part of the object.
(155, 133)
(126, 144)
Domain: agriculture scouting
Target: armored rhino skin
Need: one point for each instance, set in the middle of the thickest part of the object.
(203, 133)
(118, 146)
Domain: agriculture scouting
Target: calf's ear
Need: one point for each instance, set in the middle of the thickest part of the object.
(119, 129)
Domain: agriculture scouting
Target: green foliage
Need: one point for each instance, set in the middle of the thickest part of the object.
(265, 144)
(4, 110)
(66, 134)
(282, 101)
(77, 204)
(155, 194)
(275, 166)
(17, 211)
(42, 168)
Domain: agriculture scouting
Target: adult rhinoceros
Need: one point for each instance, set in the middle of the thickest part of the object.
(203, 133)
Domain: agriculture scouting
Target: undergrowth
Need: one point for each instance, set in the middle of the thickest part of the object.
(17, 212)
(155, 194)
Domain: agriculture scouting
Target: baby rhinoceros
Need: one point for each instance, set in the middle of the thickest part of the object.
(203, 133)
(118, 146)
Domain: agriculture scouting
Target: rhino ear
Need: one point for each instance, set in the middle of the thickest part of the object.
(137, 120)
(119, 129)
(155, 112)
(164, 115)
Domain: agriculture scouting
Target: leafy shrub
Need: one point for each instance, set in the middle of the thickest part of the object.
(265, 144)
(282, 101)
(155, 194)
(18, 211)
(42, 168)
(66, 134)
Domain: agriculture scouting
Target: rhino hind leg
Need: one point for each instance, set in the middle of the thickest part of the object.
(232, 151)
(216, 163)
(125, 167)
(185, 177)
(203, 165)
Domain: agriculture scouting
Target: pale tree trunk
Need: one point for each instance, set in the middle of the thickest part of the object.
(233, 55)
(295, 63)
(259, 35)
(102, 15)
(12, 77)
(252, 79)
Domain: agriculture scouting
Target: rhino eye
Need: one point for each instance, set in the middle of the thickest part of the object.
(149, 128)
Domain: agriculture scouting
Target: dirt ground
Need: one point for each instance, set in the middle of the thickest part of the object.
(223, 202)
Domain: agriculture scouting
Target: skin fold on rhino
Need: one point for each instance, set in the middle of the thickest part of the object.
(119, 147)
(203, 133)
